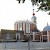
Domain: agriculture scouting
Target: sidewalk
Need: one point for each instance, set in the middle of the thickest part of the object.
(24, 46)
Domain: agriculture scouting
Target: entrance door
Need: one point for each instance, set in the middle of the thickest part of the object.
(18, 36)
(44, 38)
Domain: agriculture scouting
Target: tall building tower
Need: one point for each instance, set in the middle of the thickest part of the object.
(26, 26)
(33, 19)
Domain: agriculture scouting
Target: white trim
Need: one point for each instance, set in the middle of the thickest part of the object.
(47, 36)
(29, 28)
(40, 38)
(44, 35)
(36, 34)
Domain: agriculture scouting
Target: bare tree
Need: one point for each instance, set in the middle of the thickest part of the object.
(44, 4)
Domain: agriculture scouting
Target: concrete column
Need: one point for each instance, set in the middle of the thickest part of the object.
(19, 36)
(18, 26)
(16, 36)
(47, 36)
(22, 26)
(42, 38)
(25, 27)
(33, 36)
(29, 28)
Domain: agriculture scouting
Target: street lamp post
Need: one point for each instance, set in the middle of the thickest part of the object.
(28, 42)
(5, 42)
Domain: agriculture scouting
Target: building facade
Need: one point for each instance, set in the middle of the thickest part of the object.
(42, 36)
(26, 26)
(11, 35)
(24, 30)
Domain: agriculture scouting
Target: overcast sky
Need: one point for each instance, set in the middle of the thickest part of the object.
(11, 11)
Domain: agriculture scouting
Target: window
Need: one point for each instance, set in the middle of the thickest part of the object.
(34, 20)
(7, 36)
(27, 28)
(20, 26)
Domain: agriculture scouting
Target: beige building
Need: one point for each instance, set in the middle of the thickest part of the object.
(43, 36)
(24, 30)
(11, 35)
(27, 26)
